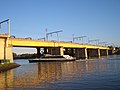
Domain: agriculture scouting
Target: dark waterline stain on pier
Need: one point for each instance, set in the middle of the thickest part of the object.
(97, 74)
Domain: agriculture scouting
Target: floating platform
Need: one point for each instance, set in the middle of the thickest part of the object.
(53, 58)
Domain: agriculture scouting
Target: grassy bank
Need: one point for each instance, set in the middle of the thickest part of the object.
(5, 67)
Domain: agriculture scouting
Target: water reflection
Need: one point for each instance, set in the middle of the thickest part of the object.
(51, 72)
(47, 74)
(41, 75)
(6, 79)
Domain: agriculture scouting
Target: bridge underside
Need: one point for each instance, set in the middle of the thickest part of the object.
(79, 53)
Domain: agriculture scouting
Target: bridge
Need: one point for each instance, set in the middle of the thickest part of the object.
(79, 51)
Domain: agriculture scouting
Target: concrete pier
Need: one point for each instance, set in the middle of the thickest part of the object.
(5, 48)
(86, 53)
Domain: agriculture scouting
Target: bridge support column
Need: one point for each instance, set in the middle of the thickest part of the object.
(49, 51)
(107, 52)
(86, 55)
(9, 54)
(61, 51)
(98, 52)
(5, 50)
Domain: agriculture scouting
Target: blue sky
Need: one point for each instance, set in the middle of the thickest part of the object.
(96, 19)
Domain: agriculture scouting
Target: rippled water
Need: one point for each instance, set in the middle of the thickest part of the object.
(97, 74)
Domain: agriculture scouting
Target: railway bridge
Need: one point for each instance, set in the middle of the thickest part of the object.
(79, 51)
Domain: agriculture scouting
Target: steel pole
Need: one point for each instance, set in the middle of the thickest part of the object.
(9, 27)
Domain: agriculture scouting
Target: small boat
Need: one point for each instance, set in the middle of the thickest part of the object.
(50, 58)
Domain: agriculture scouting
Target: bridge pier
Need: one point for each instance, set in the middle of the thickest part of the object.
(107, 52)
(86, 53)
(61, 50)
(5, 49)
(99, 53)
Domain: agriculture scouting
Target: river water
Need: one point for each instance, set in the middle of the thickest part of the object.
(96, 74)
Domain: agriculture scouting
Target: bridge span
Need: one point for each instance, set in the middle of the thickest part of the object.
(21, 42)
(79, 51)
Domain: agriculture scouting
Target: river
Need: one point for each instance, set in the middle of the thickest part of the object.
(93, 74)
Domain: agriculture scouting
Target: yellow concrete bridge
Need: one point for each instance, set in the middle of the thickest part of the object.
(50, 47)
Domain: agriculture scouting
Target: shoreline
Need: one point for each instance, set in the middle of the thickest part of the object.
(5, 67)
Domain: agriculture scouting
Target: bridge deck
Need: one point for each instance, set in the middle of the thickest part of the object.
(17, 42)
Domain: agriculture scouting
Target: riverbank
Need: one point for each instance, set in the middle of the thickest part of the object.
(5, 67)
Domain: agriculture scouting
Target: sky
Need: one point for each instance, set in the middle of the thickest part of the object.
(95, 19)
